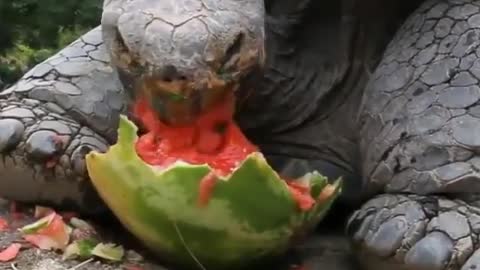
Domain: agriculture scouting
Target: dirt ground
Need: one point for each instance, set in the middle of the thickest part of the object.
(321, 252)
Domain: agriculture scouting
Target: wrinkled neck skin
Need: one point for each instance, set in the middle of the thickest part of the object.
(302, 113)
(319, 55)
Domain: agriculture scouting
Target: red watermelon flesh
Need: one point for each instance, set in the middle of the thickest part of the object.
(213, 139)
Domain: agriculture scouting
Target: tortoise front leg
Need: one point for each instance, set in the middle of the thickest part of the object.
(51, 118)
(417, 232)
(420, 124)
(42, 154)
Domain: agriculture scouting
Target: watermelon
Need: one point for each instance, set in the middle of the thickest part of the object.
(200, 200)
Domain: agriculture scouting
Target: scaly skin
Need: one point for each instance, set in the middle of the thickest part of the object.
(403, 136)
(420, 124)
(59, 111)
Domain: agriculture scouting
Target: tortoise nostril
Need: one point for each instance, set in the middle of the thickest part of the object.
(170, 73)
(234, 48)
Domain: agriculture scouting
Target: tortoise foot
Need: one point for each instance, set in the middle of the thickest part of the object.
(42, 154)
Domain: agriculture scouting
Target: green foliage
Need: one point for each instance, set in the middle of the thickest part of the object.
(32, 30)
(18, 59)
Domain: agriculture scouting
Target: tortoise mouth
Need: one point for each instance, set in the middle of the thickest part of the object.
(180, 98)
(180, 102)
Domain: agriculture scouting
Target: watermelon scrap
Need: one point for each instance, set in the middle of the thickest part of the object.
(3, 224)
(10, 253)
(302, 196)
(50, 232)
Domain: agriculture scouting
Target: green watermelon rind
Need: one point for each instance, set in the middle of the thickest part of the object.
(251, 213)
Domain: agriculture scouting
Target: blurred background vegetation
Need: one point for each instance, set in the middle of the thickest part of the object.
(33, 30)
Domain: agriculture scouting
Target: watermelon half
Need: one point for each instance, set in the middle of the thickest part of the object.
(251, 214)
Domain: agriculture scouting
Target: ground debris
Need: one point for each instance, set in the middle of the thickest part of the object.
(320, 252)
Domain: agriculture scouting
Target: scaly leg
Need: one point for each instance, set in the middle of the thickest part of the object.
(420, 125)
(58, 112)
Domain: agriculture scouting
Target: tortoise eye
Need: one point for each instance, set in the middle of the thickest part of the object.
(232, 53)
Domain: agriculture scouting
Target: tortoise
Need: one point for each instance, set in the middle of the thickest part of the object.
(384, 94)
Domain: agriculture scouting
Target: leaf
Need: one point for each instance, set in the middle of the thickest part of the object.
(10, 252)
(81, 249)
(80, 224)
(48, 233)
(86, 246)
(108, 251)
(71, 251)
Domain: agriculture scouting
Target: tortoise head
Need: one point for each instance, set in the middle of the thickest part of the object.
(183, 56)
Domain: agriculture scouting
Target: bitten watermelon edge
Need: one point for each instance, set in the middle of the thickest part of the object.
(251, 213)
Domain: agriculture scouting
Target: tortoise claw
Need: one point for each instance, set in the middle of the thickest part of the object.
(11, 133)
(42, 157)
